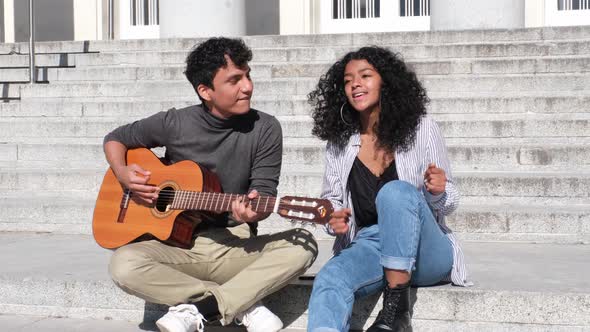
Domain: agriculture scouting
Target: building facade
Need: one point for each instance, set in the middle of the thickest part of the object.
(129, 19)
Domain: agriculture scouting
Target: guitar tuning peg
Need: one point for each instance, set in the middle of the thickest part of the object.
(293, 222)
(304, 224)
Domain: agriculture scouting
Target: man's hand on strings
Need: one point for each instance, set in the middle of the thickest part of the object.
(242, 209)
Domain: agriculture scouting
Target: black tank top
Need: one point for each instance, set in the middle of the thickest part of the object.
(364, 186)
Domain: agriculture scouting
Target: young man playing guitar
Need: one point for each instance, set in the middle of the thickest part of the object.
(229, 269)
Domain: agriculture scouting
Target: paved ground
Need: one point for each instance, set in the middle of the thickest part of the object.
(36, 324)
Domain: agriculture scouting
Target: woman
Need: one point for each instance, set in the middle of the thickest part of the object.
(388, 176)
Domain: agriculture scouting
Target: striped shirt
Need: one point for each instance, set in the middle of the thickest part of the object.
(428, 147)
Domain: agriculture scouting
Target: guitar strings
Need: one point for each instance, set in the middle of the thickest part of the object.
(183, 198)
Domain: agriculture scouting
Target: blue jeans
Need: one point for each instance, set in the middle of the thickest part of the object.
(406, 237)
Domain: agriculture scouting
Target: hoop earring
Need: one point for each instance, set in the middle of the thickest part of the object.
(342, 116)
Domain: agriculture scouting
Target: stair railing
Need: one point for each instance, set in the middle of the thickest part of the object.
(32, 76)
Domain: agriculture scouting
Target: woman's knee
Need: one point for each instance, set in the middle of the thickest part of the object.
(331, 276)
(397, 191)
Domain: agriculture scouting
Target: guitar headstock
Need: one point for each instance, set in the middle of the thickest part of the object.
(305, 209)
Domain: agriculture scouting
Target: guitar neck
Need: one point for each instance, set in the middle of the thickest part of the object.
(217, 202)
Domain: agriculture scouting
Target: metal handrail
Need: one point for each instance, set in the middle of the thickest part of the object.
(32, 76)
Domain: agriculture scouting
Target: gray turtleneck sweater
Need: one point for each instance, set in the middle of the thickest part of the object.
(244, 151)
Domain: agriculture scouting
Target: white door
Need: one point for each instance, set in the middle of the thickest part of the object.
(567, 12)
(139, 19)
(342, 16)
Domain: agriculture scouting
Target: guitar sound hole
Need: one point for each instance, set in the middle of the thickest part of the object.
(165, 198)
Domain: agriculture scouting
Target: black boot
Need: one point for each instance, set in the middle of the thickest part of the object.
(395, 315)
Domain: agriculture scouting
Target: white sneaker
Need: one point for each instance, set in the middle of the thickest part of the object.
(259, 319)
(182, 318)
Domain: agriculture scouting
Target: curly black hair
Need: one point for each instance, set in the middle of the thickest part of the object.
(207, 58)
(403, 101)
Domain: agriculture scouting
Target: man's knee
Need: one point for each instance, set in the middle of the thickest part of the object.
(303, 246)
(124, 264)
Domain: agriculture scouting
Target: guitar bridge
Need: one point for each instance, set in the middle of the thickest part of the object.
(124, 205)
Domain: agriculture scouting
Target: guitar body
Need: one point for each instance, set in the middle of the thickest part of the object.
(118, 221)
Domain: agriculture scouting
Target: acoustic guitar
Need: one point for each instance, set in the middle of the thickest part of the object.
(118, 219)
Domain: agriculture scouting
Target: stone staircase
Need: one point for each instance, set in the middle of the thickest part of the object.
(512, 104)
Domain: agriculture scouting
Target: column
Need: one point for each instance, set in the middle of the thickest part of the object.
(8, 21)
(190, 18)
(478, 14)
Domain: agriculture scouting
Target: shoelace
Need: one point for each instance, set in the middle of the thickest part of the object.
(390, 304)
(190, 316)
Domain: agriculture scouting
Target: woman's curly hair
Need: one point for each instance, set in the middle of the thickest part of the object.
(403, 101)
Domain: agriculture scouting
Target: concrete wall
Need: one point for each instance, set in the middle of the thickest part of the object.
(54, 20)
(262, 17)
(477, 14)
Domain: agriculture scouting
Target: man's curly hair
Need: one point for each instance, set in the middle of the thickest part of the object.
(207, 58)
(403, 101)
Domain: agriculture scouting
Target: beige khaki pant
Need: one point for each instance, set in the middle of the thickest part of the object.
(231, 264)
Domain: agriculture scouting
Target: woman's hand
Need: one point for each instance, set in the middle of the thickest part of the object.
(435, 179)
(339, 221)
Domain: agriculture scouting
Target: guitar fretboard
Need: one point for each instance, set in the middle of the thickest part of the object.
(219, 202)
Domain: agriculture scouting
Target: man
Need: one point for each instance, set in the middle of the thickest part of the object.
(229, 269)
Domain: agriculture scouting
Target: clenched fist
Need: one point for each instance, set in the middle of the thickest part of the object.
(435, 179)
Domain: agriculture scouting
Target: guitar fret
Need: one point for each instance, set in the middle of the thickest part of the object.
(196, 200)
(179, 204)
(187, 199)
(266, 204)
(192, 200)
(257, 203)
(217, 201)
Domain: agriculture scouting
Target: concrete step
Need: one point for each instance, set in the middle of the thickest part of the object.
(547, 34)
(71, 213)
(9, 91)
(134, 107)
(520, 187)
(306, 69)
(511, 188)
(441, 84)
(67, 277)
(517, 154)
(314, 53)
(462, 125)
(41, 60)
(554, 102)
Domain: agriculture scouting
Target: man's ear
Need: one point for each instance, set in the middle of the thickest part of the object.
(204, 92)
